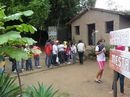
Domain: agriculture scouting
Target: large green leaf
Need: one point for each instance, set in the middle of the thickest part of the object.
(17, 16)
(13, 52)
(23, 28)
(2, 14)
(11, 35)
(28, 41)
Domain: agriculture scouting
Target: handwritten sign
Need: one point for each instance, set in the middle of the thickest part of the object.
(120, 62)
(52, 33)
(120, 37)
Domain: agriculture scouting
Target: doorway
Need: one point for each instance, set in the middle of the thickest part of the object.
(91, 34)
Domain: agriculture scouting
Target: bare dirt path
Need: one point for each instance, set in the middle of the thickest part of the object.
(76, 80)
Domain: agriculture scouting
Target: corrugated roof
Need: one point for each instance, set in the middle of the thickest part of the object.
(97, 9)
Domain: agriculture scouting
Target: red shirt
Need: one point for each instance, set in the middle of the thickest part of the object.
(48, 49)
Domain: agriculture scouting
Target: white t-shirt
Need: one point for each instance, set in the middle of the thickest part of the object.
(73, 49)
(100, 57)
(61, 47)
(81, 47)
(54, 49)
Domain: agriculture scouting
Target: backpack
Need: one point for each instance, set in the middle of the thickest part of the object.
(100, 47)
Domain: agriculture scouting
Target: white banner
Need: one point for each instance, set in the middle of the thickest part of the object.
(120, 62)
(120, 37)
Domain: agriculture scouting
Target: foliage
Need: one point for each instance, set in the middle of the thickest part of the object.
(41, 91)
(39, 7)
(91, 53)
(8, 88)
(10, 36)
(87, 3)
(62, 11)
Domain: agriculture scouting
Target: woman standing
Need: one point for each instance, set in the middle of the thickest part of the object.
(100, 52)
(81, 50)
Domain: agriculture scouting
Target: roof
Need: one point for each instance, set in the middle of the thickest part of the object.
(98, 9)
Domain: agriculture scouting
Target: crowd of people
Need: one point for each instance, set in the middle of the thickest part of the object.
(58, 52)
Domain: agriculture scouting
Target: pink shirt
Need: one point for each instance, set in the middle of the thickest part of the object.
(122, 48)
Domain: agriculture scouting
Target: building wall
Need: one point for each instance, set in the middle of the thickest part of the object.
(97, 17)
(124, 22)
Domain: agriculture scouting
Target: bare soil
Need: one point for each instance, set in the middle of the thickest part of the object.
(76, 80)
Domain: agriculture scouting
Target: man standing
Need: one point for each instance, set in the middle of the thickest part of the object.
(81, 49)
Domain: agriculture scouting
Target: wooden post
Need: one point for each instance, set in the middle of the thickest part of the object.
(115, 84)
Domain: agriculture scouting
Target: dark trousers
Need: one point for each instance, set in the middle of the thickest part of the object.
(121, 77)
(14, 66)
(36, 59)
(54, 59)
(29, 64)
(48, 60)
(81, 57)
(61, 56)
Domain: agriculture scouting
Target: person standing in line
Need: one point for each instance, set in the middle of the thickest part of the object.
(68, 53)
(29, 60)
(100, 52)
(48, 52)
(61, 52)
(81, 50)
(55, 52)
(119, 75)
(2, 64)
(73, 52)
(36, 55)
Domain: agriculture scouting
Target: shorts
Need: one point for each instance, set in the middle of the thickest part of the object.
(101, 65)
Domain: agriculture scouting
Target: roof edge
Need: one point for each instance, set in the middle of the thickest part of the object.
(97, 9)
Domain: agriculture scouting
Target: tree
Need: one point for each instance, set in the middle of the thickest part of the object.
(10, 36)
(39, 7)
(62, 11)
(87, 4)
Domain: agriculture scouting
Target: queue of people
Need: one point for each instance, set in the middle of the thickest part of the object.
(33, 52)
(58, 52)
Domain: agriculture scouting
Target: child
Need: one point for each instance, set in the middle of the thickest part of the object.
(29, 60)
(73, 52)
(36, 55)
(100, 52)
(68, 53)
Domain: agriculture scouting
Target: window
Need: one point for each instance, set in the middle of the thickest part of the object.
(77, 30)
(109, 26)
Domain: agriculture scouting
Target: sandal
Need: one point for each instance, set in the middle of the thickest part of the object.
(97, 81)
(100, 81)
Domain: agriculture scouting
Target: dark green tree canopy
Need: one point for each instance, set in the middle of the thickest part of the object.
(41, 8)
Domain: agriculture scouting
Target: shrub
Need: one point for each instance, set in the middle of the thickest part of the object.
(8, 88)
(41, 91)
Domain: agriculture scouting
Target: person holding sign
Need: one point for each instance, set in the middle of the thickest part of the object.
(100, 52)
(119, 75)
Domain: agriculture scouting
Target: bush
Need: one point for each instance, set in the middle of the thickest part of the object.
(92, 55)
(8, 88)
(41, 91)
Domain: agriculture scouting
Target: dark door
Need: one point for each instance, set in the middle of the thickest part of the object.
(91, 28)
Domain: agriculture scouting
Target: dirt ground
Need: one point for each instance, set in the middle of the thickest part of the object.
(76, 80)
